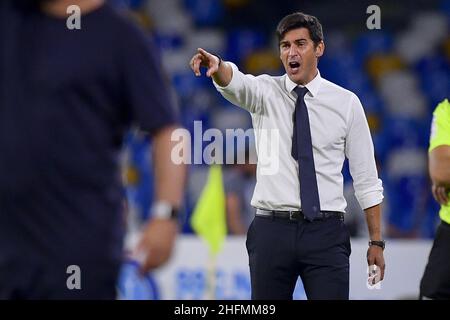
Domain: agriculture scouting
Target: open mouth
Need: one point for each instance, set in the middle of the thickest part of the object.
(294, 65)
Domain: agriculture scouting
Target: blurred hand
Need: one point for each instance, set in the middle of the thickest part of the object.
(204, 59)
(375, 256)
(440, 194)
(156, 243)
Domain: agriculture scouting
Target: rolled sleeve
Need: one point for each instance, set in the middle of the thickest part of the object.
(360, 152)
(371, 196)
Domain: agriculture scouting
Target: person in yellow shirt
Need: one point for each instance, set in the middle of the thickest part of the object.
(435, 282)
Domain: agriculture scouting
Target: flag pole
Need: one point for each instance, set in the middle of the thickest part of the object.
(211, 282)
(208, 220)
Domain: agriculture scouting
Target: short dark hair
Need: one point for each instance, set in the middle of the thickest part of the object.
(301, 20)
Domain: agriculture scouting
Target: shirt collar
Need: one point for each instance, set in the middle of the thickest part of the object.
(312, 86)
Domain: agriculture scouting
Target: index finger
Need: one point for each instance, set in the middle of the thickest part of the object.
(204, 53)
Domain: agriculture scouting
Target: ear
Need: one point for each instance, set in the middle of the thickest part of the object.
(320, 48)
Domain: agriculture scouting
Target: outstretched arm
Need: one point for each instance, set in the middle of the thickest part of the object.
(220, 71)
(243, 90)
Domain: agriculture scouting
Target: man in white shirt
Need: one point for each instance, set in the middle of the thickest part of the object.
(298, 229)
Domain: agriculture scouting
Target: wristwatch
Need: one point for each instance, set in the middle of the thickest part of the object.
(380, 243)
(219, 57)
(164, 210)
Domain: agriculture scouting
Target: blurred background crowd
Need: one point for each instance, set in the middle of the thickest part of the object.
(400, 73)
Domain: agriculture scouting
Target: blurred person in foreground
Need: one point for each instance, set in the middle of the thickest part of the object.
(299, 225)
(66, 99)
(435, 283)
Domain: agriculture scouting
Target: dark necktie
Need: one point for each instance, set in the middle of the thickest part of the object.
(303, 153)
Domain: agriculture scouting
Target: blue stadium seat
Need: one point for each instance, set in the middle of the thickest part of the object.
(445, 7)
(434, 74)
(205, 12)
(409, 203)
(140, 193)
(403, 132)
(242, 42)
(371, 42)
(370, 100)
(168, 41)
(186, 84)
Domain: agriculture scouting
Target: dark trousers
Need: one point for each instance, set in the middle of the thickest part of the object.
(435, 282)
(280, 250)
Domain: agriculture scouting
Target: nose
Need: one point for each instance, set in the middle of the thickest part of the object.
(292, 51)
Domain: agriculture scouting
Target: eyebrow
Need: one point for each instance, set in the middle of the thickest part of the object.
(296, 40)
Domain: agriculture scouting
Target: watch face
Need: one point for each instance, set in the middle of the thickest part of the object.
(162, 210)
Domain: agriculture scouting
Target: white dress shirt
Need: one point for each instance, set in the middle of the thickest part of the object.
(339, 129)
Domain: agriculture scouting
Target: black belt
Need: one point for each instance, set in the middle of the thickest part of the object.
(298, 215)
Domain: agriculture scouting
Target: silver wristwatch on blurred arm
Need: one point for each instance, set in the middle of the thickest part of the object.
(164, 210)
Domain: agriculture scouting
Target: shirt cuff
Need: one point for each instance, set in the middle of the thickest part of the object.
(235, 83)
(370, 199)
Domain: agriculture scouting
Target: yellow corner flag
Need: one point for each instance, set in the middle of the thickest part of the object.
(208, 219)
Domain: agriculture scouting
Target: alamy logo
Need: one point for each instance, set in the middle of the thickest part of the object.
(190, 150)
(74, 20)
(74, 280)
(374, 20)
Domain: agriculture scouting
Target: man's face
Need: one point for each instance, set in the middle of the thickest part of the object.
(299, 56)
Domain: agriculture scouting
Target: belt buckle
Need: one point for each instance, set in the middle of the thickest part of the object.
(291, 215)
